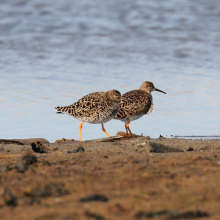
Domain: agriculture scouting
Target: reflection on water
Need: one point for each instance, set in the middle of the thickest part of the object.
(53, 53)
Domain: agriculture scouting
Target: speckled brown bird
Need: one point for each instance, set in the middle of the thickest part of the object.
(94, 108)
(136, 103)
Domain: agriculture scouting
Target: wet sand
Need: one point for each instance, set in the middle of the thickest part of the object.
(138, 178)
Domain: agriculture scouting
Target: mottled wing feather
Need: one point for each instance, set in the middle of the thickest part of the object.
(91, 108)
(83, 107)
(134, 103)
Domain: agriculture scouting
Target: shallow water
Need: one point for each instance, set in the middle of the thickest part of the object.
(53, 53)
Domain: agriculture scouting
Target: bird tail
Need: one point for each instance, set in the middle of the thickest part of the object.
(66, 109)
(61, 109)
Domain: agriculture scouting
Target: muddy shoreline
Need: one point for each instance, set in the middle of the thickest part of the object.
(139, 178)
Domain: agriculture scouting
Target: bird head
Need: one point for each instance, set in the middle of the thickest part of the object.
(149, 87)
(114, 95)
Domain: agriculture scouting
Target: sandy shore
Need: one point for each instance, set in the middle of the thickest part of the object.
(138, 178)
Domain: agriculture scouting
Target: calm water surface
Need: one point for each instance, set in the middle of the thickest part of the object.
(54, 52)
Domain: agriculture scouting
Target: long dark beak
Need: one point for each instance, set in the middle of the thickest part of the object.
(159, 90)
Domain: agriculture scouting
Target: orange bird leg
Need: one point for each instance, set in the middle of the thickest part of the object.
(80, 131)
(127, 127)
(105, 130)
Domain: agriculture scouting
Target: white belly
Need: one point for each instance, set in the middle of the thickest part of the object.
(132, 118)
(97, 121)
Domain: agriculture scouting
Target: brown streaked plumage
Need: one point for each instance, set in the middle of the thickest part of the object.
(136, 103)
(94, 108)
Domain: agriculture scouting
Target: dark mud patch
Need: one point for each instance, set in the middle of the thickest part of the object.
(160, 148)
(78, 149)
(5, 141)
(23, 141)
(38, 147)
(189, 215)
(95, 197)
(142, 214)
(93, 215)
(171, 214)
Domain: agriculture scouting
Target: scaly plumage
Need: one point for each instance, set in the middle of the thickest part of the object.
(94, 108)
(136, 103)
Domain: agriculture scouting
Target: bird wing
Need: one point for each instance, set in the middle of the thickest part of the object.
(135, 103)
(87, 105)
(84, 106)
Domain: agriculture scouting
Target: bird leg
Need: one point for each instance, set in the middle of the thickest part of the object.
(105, 130)
(80, 131)
(127, 128)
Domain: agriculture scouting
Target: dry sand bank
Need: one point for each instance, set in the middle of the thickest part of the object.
(137, 178)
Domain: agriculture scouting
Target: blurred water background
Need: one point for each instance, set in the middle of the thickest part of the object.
(54, 52)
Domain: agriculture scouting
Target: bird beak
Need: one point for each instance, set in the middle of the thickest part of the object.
(159, 90)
